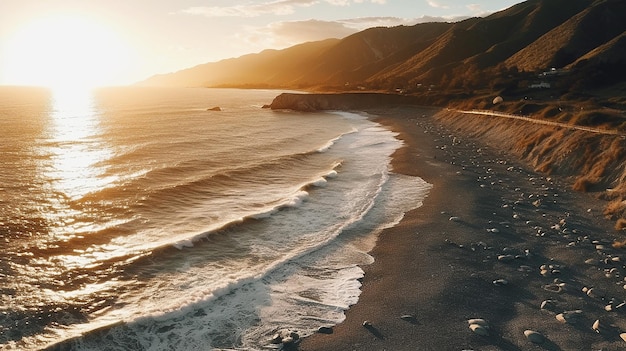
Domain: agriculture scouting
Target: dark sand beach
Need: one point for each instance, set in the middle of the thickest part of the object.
(494, 240)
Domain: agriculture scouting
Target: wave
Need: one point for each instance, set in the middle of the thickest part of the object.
(221, 316)
(332, 142)
(98, 239)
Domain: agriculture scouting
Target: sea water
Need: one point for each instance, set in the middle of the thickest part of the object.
(135, 218)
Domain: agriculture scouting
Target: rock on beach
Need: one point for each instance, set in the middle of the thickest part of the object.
(534, 337)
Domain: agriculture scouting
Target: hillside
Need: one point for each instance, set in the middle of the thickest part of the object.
(530, 37)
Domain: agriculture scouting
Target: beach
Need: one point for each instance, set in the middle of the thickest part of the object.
(495, 241)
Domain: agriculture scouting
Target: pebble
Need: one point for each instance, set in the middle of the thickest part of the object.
(555, 287)
(500, 282)
(569, 317)
(506, 258)
(286, 337)
(534, 337)
(454, 219)
(597, 326)
(478, 321)
(548, 304)
(592, 292)
(479, 329)
(409, 318)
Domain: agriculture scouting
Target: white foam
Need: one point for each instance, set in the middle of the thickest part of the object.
(183, 243)
(320, 182)
(301, 268)
(332, 142)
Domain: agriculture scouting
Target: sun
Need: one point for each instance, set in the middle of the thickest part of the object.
(65, 52)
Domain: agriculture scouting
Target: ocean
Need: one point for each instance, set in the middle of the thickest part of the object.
(135, 218)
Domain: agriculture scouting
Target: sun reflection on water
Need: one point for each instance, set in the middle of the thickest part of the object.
(77, 148)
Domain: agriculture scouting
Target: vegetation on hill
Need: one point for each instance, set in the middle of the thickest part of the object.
(549, 58)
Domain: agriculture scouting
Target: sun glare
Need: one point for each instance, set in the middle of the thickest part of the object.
(65, 52)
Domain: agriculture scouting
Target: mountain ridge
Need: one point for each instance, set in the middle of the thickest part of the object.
(529, 37)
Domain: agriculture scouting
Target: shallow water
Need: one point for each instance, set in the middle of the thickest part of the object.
(133, 218)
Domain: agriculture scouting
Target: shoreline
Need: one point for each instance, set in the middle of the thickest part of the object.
(441, 271)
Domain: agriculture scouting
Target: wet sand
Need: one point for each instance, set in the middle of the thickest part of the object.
(494, 240)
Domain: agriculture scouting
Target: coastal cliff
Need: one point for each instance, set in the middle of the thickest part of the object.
(343, 101)
(594, 162)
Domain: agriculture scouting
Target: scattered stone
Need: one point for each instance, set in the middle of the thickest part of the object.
(478, 321)
(506, 258)
(454, 219)
(285, 337)
(479, 329)
(409, 318)
(597, 326)
(367, 324)
(548, 305)
(534, 337)
(593, 292)
(500, 282)
(569, 317)
(555, 287)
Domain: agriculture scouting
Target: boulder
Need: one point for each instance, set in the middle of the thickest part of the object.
(534, 337)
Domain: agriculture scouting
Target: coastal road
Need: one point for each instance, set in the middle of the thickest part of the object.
(539, 121)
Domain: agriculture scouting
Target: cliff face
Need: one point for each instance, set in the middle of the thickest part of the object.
(594, 162)
(347, 101)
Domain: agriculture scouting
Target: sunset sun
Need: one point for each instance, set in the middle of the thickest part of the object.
(63, 52)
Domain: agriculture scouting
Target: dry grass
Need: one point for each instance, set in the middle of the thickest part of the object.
(615, 209)
(584, 184)
(619, 244)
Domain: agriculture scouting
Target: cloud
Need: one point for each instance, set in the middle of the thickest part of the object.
(369, 22)
(437, 4)
(300, 31)
(288, 33)
(474, 7)
(349, 2)
(277, 7)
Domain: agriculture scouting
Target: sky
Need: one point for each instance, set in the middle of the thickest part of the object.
(116, 42)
